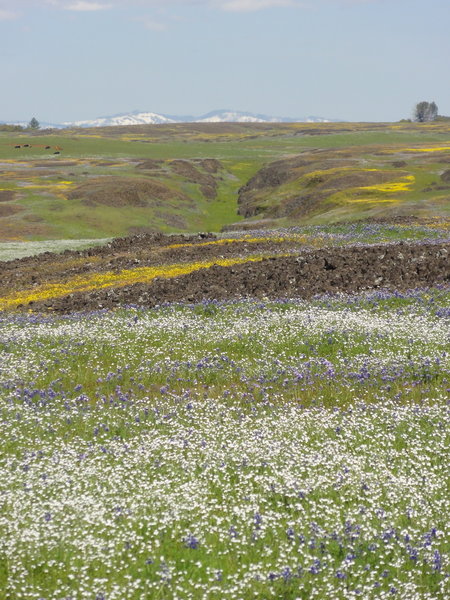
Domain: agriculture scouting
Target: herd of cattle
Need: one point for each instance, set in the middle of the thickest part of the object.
(56, 148)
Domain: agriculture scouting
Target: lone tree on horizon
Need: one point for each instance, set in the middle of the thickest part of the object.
(33, 124)
(425, 111)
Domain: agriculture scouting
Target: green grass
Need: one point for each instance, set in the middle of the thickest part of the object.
(242, 151)
(236, 148)
(239, 450)
(14, 250)
(254, 350)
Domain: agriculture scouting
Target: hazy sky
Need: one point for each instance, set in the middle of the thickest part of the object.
(369, 60)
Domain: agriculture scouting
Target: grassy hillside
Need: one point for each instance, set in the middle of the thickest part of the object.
(186, 177)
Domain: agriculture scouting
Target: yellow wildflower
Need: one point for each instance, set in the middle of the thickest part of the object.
(109, 279)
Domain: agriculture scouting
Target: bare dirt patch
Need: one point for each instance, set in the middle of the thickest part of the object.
(201, 172)
(446, 176)
(7, 195)
(56, 163)
(11, 229)
(207, 183)
(6, 210)
(171, 219)
(150, 164)
(211, 165)
(28, 173)
(125, 191)
(106, 163)
(338, 182)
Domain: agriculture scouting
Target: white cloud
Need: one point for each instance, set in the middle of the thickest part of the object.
(87, 6)
(151, 24)
(12, 6)
(6, 15)
(9, 8)
(253, 5)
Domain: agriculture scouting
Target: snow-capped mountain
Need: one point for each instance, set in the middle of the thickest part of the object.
(133, 118)
(150, 118)
(217, 116)
(230, 116)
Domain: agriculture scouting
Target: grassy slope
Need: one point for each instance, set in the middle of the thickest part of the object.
(45, 211)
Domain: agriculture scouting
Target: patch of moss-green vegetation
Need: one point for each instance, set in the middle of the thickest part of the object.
(14, 250)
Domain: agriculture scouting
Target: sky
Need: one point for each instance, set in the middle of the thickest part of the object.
(355, 60)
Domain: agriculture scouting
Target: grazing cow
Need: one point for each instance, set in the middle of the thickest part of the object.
(56, 152)
(17, 146)
(26, 145)
(47, 147)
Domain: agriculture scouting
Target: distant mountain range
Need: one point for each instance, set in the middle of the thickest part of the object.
(149, 118)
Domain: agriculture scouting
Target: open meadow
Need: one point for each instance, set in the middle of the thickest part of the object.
(291, 449)
(121, 181)
(260, 412)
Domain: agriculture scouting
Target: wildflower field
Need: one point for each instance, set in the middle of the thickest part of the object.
(243, 449)
(210, 416)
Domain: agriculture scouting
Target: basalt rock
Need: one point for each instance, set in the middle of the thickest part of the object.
(349, 269)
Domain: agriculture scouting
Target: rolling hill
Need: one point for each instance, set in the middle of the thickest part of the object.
(186, 177)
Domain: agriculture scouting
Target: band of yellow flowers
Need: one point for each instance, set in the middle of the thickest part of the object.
(109, 278)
